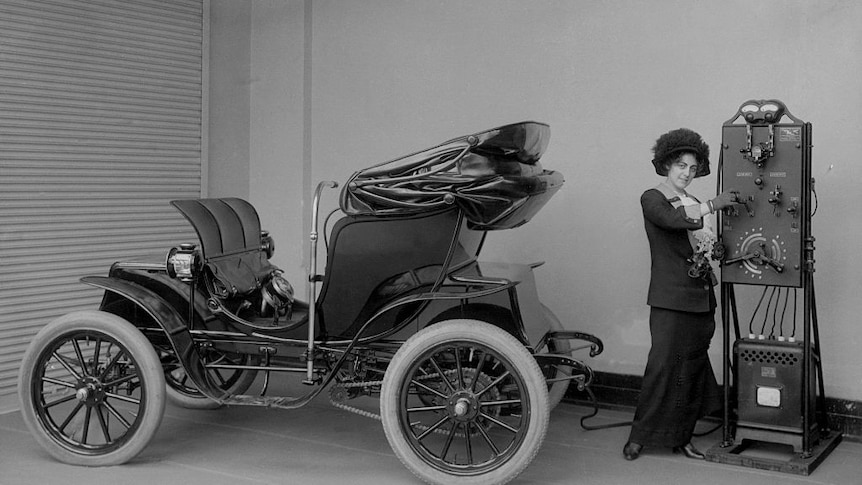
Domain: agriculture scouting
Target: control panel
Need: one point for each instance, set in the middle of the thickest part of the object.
(767, 161)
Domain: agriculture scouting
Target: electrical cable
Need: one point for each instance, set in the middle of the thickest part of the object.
(751, 322)
(595, 412)
(816, 202)
(766, 313)
(620, 424)
(775, 314)
(794, 313)
(784, 312)
(709, 431)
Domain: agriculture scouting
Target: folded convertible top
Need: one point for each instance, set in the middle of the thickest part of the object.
(494, 176)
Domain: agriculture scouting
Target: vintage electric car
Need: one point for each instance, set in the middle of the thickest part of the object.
(465, 359)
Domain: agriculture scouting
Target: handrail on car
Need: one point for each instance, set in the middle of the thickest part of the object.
(312, 278)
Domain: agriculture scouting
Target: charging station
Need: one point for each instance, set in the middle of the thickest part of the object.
(772, 373)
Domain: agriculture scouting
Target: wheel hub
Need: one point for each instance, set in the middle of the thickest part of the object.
(90, 391)
(463, 406)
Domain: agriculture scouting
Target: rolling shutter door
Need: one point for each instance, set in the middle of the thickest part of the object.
(101, 115)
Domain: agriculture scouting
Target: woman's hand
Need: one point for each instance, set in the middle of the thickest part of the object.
(724, 199)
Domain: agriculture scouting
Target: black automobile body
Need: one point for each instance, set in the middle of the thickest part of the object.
(465, 359)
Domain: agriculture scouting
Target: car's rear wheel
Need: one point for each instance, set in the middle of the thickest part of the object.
(92, 390)
(463, 401)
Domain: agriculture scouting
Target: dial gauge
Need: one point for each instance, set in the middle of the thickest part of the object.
(760, 253)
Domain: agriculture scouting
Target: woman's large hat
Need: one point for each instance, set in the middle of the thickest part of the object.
(676, 141)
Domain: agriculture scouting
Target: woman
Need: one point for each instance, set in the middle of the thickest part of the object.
(678, 385)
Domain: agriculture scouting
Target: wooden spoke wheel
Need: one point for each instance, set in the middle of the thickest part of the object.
(92, 389)
(463, 401)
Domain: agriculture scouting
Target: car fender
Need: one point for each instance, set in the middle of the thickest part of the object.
(496, 315)
(174, 326)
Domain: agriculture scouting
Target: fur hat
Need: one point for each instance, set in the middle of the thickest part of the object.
(676, 141)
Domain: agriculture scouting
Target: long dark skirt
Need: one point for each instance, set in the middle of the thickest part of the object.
(679, 386)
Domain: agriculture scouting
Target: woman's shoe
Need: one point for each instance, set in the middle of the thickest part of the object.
(632, 450)
(689, 451)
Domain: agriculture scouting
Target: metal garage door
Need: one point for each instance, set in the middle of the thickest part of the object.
(101, 109)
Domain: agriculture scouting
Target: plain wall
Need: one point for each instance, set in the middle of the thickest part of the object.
(230, 109)
(337, 86)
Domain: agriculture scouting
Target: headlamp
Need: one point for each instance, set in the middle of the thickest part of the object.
(182, 262)
(267, 244)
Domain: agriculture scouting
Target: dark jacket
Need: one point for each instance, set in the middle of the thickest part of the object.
(667, 231)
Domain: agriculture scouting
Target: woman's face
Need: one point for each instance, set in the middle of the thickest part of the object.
(682, 171)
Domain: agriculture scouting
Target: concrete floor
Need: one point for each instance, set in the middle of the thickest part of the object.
(319, 444)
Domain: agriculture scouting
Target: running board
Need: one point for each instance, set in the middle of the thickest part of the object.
(269, 401)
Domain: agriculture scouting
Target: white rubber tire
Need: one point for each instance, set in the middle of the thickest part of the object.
(512, 354)
(115, 331)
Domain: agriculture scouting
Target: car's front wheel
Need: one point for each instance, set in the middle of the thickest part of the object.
(91, 388)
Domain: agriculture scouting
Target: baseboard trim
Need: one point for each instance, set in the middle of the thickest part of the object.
(620, 391)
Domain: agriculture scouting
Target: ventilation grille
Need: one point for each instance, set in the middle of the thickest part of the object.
(761, 356)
